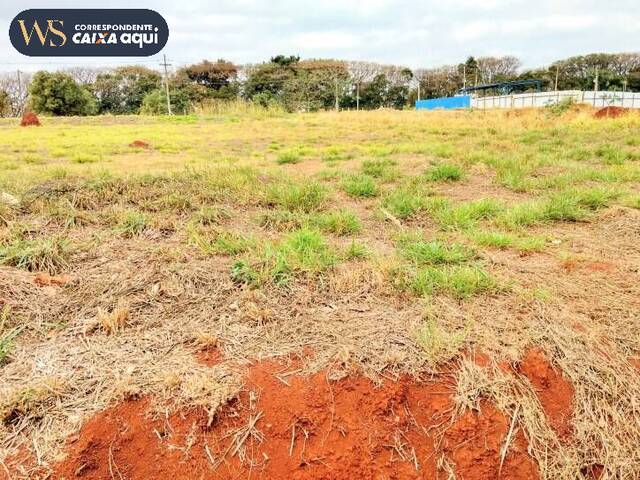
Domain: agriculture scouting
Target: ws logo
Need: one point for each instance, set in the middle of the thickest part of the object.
(88, 32)
(27, 33)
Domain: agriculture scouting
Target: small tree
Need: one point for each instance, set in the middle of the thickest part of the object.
(58, 94)
(5, 104)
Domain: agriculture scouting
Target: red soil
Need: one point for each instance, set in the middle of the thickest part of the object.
(554, 391)
(474, 445)
(209, 356)
(139, 144)
(44, 279)
(610, 112)
(313, 428)
(29, 119)
(600, 266)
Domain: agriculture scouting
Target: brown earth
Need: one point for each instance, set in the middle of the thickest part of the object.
(554, 391)
(139, 144)
(610, 112)
(284, 425)
(29, 119)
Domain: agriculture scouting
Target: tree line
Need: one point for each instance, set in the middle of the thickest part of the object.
(294, 84)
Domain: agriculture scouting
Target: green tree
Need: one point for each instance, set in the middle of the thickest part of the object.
(219, 78)
(122, 90)
(58, 94)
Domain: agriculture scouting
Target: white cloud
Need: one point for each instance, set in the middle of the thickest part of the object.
(409, 32)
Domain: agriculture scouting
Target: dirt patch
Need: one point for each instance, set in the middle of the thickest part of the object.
(611, 112)
(44, 279)
(474, 445)
(29, 119)
(284, 425)
(209, 356)
(554, 392)
(139, 144)
(600, 266)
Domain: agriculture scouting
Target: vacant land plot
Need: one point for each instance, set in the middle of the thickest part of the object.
(353, 295)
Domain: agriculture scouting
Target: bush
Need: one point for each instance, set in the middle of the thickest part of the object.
(58, 94)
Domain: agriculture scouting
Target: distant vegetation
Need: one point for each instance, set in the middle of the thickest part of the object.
(292, 84)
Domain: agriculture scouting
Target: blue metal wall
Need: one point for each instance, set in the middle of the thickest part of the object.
(460, 101)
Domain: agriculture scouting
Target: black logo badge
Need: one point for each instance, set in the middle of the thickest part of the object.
(89, 32)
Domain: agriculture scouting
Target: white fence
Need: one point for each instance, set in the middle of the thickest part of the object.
(542, 99)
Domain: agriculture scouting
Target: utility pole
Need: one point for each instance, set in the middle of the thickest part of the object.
(556, 84)
(358, 95)
(19, 109)
(166, 82)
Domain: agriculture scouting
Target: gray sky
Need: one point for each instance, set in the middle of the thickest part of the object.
(423, 33)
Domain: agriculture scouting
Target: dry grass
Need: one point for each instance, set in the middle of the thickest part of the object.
(146, 298)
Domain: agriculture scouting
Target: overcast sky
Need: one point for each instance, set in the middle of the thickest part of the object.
(423, 33)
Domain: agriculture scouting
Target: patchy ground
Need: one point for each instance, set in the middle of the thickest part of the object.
(372, 295)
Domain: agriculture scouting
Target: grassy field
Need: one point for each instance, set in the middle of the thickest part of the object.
(385, 243)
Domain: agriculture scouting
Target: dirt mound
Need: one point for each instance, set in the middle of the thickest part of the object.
(29, 119)
(289, 426)
(554, 391)
(611, 112)
(139, 144)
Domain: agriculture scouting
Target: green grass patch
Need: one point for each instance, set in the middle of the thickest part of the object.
(381, 169)
(303, 251)
(445, 172)
(465, 215)
(338, 222)
(297, 197)
(459, 281)
(407, 201)
(434, 252)
(132, 224)
(289, 156)
(493, 239)
(38, 255)
(360, 186)
(572, 205)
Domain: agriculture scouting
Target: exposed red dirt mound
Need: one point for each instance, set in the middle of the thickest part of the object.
(29, 119)
(554, 391)
(610, 112)
(474, 444)
(139, 144)
(304, 428)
